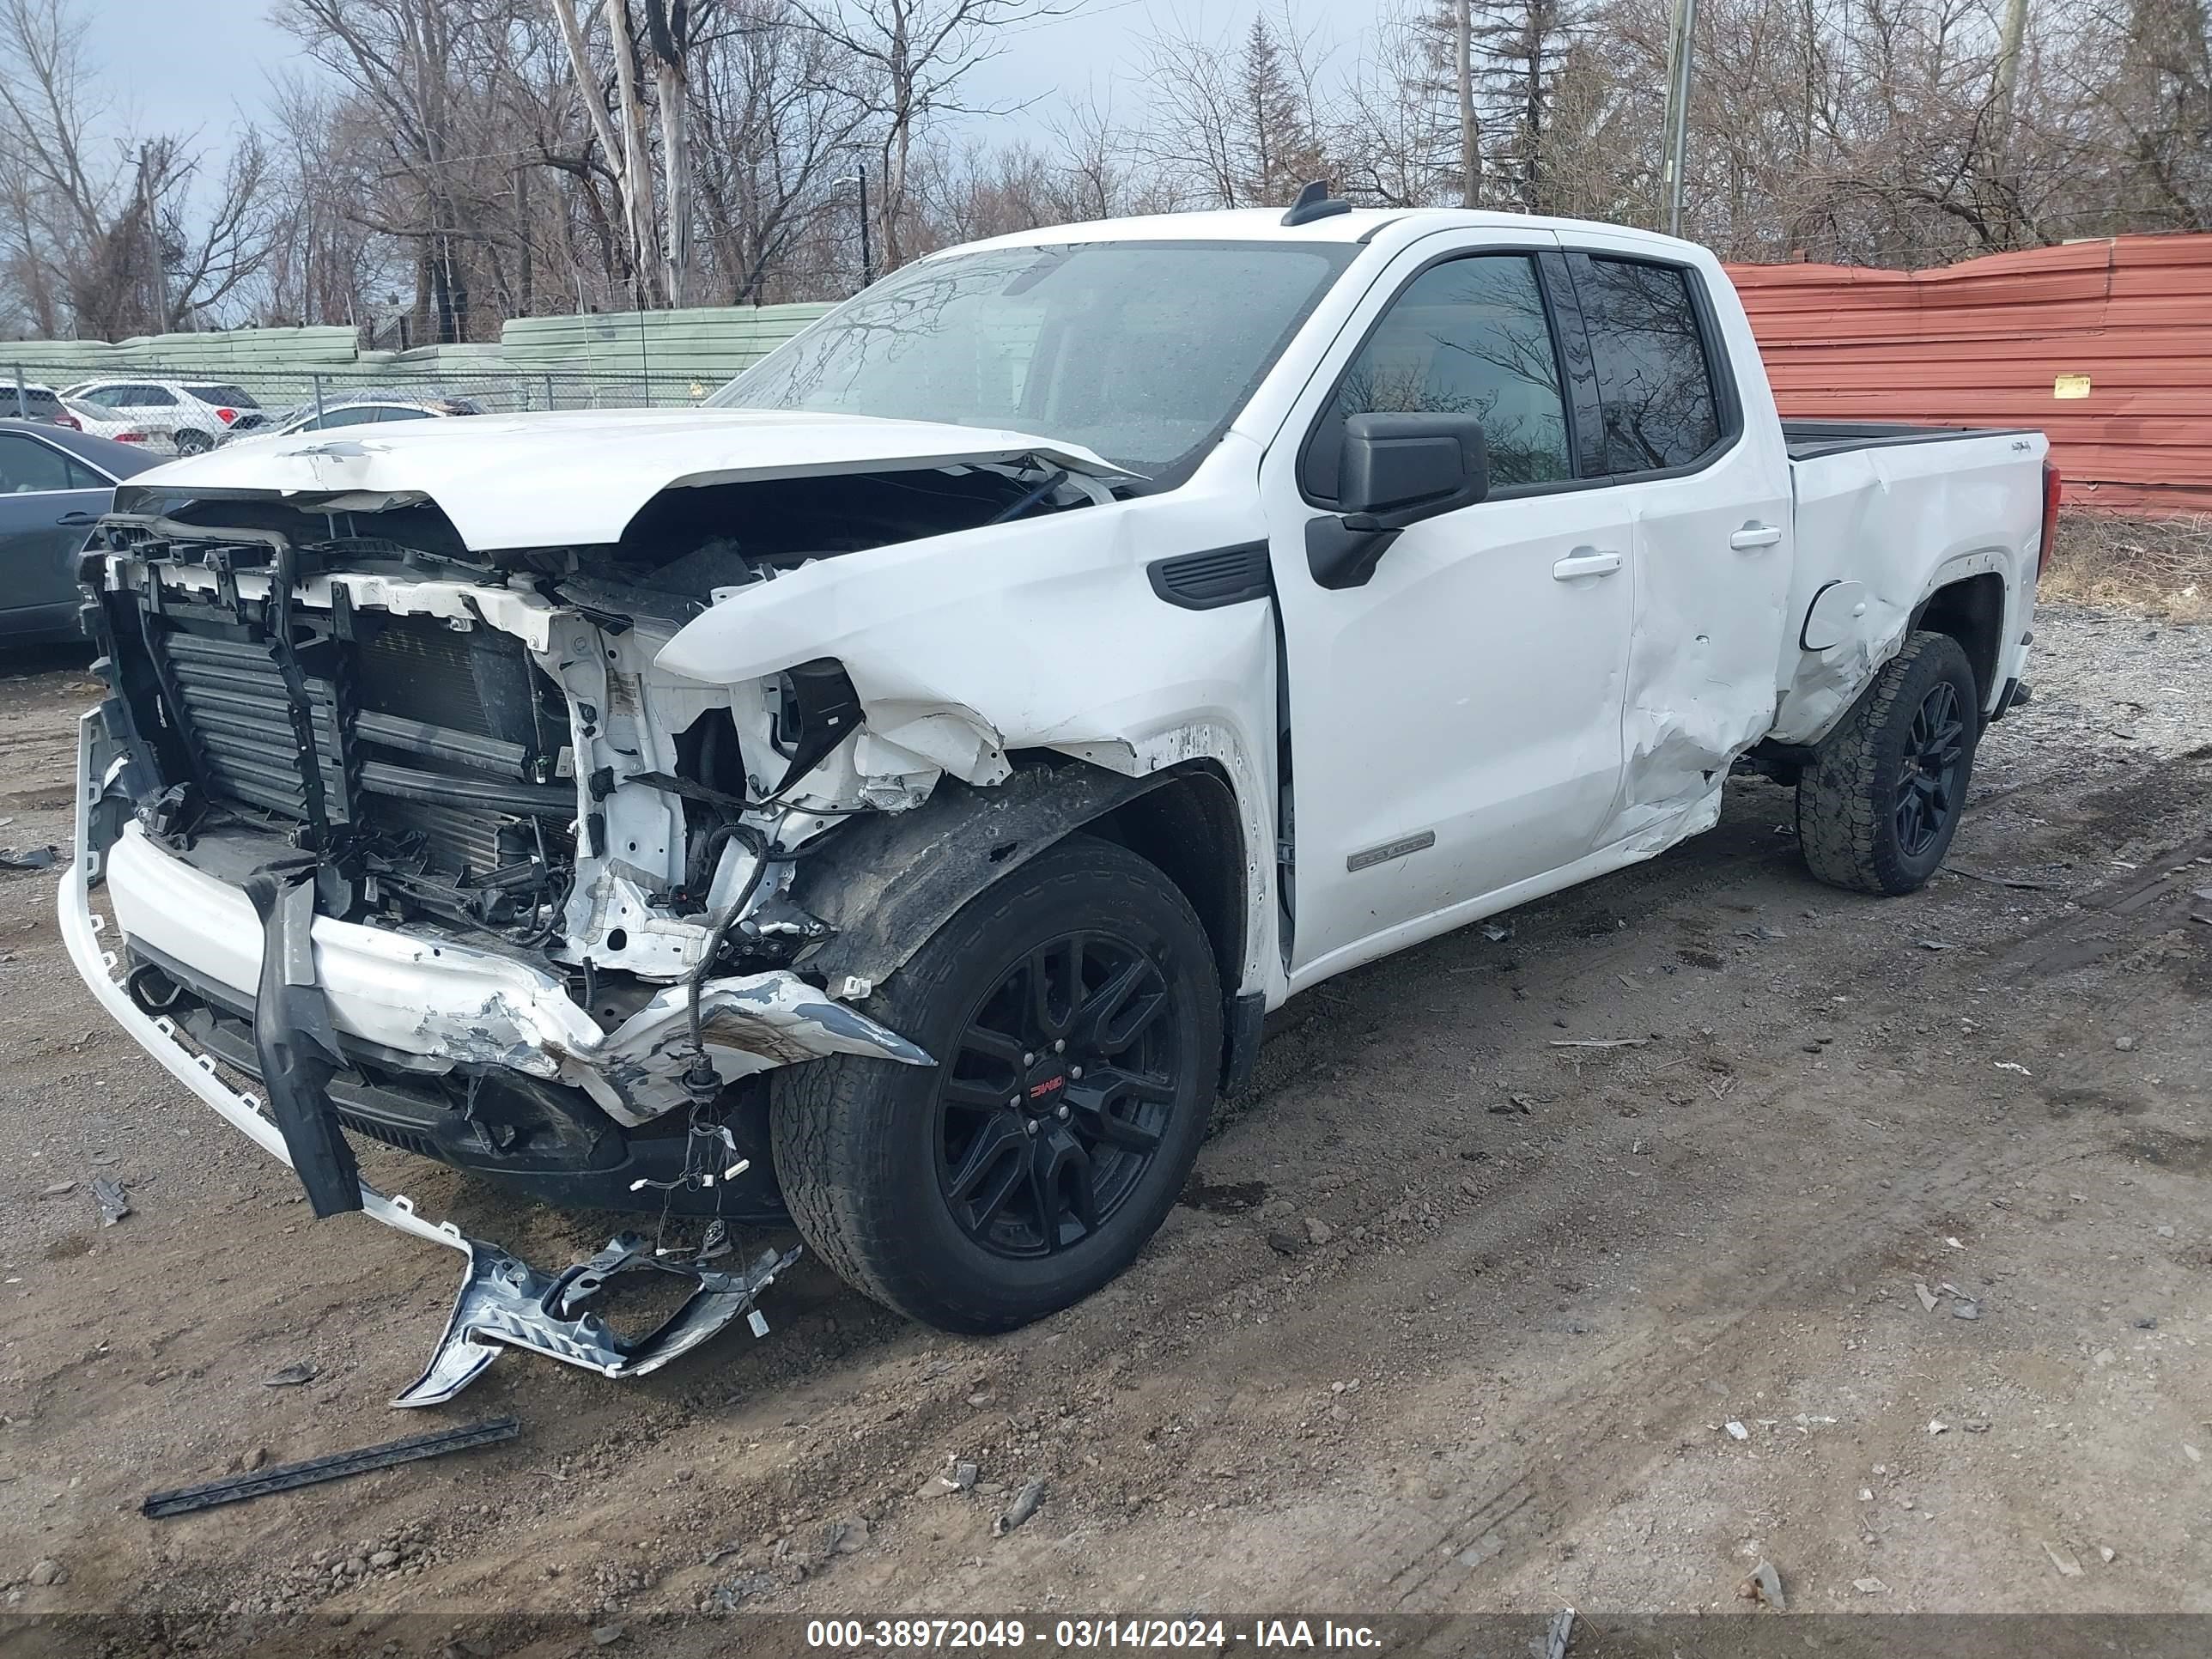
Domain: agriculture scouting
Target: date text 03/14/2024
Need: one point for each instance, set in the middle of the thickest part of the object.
(1263, 1635)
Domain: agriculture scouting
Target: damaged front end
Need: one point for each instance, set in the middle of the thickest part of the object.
(426, 846)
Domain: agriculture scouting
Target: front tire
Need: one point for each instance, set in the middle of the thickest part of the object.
(1878, 806)
(1075, 1012)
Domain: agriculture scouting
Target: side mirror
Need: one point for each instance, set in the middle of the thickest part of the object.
(1400, 468)
(1396, 471)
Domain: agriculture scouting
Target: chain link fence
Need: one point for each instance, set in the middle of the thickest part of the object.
(188, 409)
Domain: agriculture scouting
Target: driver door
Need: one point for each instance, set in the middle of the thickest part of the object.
(1456, 720)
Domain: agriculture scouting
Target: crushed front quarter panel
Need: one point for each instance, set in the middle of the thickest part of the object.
(1041, 633)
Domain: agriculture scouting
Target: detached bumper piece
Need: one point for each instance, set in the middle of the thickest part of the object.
(292, 1040)
(285, 1477)
(505, 1303)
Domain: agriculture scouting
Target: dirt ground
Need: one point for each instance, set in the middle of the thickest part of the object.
(1453, 1318)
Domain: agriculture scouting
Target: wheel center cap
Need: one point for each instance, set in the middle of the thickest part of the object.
(1046, 1088)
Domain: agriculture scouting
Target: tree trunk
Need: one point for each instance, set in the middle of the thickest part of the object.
(676, 180)
(637, 203)
(1470, 133)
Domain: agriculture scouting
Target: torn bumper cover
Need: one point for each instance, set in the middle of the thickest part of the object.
(360, 985)
(447, 1004)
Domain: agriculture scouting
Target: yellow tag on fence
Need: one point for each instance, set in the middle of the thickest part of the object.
(2070, 386)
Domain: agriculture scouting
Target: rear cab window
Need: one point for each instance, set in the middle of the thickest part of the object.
(1660, 388)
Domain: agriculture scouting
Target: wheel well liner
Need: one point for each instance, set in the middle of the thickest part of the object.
(1971, 612)
(888, 881)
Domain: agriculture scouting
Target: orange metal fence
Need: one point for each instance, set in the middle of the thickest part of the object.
(2104, 345)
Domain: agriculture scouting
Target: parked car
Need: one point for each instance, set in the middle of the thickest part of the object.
(54, 485)
(916, 774)
(29, 401)
(370, 408)
(185, 417)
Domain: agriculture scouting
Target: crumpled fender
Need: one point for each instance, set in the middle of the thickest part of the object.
(888, 881)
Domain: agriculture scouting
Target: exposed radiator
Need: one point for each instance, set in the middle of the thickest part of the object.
(448, 738)
(237, 709)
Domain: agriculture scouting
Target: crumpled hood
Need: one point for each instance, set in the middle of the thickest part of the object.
(513, 480)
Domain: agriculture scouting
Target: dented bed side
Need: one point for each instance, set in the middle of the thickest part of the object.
(1880, 530)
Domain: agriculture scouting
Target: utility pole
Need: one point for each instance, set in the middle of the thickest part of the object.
(2015, 28)
(2008, 46)
(868, 253)
(1470, 148)
(160, 277)
(1681, 41)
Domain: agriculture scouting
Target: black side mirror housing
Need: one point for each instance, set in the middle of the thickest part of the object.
(1397, 470)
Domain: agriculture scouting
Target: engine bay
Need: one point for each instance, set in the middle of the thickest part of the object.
(480, 746)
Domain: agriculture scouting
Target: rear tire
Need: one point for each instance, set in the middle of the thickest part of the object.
(1075, 1013)
(1878, 806)
(189, 443)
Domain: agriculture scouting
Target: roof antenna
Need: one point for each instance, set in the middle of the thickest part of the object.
(1315, 202)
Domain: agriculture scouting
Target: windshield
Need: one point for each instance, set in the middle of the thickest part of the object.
(1143, 351)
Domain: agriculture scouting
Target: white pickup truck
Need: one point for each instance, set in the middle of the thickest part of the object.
(889, 798)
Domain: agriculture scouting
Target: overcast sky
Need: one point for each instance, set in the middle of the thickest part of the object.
(181, 65)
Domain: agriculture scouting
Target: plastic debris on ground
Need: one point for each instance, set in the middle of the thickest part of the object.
(113, 1206)
(1026, 1503)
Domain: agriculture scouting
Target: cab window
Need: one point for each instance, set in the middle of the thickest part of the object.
(1655, 380)
(1469, 337)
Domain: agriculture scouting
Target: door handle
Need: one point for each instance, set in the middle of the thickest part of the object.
(1755, 535)
(1585, 561)
(75, 518)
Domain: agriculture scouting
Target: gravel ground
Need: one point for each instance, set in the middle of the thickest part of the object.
(1451, 1320)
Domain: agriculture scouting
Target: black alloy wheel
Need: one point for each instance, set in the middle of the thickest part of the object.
(1928, 792)
(1887, 788)
(1074, 1010)
(1058, 1095)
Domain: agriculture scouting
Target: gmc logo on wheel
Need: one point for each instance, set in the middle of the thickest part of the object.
(1046, 1087)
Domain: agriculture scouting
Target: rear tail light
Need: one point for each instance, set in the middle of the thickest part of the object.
(65, 418)
(2053, 491)
(225, 416)
(130, 437)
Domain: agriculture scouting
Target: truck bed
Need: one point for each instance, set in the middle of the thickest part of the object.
(1806, 439)
(1888, 513)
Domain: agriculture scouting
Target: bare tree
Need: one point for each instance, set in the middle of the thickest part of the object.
(776, 129)
(1399, 135)
(108, 232)
(409, 63)
(457, 162)
(619, 169)
(917, 53)
(1238, 125)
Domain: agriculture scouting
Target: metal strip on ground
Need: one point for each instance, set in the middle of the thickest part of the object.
(286, 1476)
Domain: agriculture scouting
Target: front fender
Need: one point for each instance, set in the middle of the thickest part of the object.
(888, 881)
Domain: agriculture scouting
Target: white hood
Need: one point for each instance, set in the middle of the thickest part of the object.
(511, 481)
